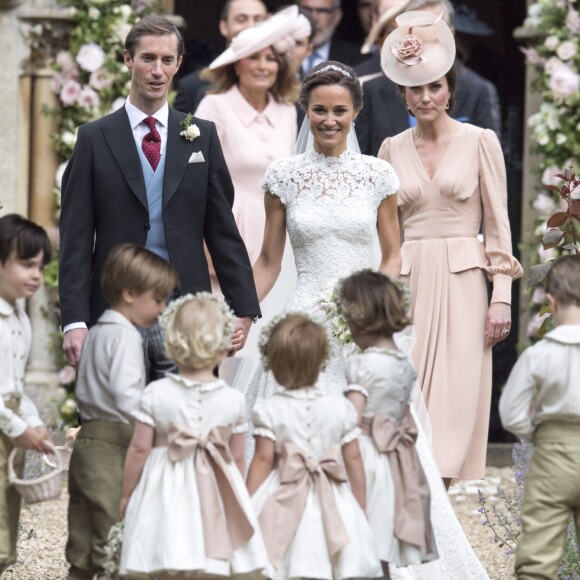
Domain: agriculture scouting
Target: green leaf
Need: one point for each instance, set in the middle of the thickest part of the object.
(546, 309)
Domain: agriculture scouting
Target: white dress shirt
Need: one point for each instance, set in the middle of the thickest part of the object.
(15, 336)
(544, 384)
(140, 129)
(111, 375)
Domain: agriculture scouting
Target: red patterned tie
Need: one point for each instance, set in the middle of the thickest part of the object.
(152, 143)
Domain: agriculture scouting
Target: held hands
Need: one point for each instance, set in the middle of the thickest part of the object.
(241, 329)
(72, 345)
(498, 324)
(36, 438)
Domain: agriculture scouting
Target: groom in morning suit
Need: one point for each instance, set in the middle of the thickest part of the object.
(133, 178)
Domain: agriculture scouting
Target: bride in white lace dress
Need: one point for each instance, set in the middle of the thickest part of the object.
(333, 202)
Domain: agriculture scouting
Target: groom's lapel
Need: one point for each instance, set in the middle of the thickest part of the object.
(178, 152)
(119, 138)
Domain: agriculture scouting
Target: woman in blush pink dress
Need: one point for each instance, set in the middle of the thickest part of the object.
(252, 103)
(453, 181)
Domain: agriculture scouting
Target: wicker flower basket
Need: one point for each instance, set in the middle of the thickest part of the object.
(65, 454)
(45, 488)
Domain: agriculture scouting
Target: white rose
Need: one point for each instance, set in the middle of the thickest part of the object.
(89, 99)
(126, 11)
(564, 82)
(549, 175)
(573, 21)
(552, 64)
(66, 63)
(59, 173)
(121, 31)
(552, 42)
(566, 50)
(561, 139)
(69, 138)
(191, 132)
(94, 13)
(69, 92)
(544, 204)
(100, 79)
(542, 138)
(91, 57)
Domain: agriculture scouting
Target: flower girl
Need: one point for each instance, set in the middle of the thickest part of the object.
(306, 455)
(187, 510)
(380, 381)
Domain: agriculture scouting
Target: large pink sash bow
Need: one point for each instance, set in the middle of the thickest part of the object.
(412, 494)
(226, 526)
(281, 515)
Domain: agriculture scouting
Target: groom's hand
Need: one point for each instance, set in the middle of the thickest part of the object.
(241, 330)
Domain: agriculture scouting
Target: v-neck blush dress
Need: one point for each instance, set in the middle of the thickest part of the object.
(446, 267)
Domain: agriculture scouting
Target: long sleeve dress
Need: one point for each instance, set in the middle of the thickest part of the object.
(446, 267)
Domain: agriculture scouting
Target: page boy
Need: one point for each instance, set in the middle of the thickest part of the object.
(111, 377)
(542, 400)
(24, 252)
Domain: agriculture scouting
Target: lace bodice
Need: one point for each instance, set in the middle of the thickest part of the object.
(331, 215)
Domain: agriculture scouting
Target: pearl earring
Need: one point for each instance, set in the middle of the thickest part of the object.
(447, 105)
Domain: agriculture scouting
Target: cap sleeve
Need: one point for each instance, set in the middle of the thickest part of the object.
(351, 430)
(354, 380)
(264, 425)
(273, 184)
(145, 412)
(502, 267)
(387, 182)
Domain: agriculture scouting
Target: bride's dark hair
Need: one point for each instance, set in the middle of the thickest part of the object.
(331, 73)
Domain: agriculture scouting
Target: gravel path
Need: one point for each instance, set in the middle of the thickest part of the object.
(43, 533)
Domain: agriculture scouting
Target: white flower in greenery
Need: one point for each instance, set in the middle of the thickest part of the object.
(89, 99)
(564, 82)
(534, 120)
(118, 103)
(56, 83)
(567, 50)
(190, 131)
(552, 42)
(549, 175)
(542, 138)
(69, 138)
(69, 93)
(94, 13)
(544, 204)
(552, 64)
(573, 21)
(59, 173)
(100, 79)
(561, 139)
(91, 57)
(122, 29)
(65, 62)
(126, 11)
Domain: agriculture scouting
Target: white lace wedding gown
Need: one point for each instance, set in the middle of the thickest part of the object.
(331, 214)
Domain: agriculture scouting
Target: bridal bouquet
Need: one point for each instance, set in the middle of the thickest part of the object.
(334, 318)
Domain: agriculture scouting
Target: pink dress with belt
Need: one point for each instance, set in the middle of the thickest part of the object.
(446, 267)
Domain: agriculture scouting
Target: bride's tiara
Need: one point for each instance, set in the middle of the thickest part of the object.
(334, 68)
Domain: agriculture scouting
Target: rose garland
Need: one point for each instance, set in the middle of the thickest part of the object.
(555, 128)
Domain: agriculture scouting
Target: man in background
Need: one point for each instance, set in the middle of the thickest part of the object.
(236, 16)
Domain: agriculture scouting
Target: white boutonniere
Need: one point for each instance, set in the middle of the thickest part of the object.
(191, 131)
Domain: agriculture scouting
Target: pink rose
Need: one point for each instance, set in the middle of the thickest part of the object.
(409, 46)
(91, 57)
(66, 63)
(564, 82)
(69, 93)
(66, 375)
(88, 99)
(566, 50)
(532, 56)
(573, 21)
(100, 79)
(549, 175)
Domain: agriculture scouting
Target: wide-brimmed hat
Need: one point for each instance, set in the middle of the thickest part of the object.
(280, 31)
(381, 24)
(420, 51)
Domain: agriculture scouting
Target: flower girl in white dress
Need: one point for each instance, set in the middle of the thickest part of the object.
(187, 511)
(380, 381)
(306, 454)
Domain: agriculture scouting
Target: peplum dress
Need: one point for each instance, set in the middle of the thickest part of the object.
(446, 267)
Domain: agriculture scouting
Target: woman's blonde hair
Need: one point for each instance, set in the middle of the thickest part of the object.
(296, 350)
(198, 332)
(285, 89)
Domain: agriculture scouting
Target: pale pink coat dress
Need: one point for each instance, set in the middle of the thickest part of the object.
(446, 266)
(251, 140)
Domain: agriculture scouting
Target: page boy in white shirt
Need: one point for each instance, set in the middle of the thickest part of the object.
(24, 252)
(541, 400)
(111, 377)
